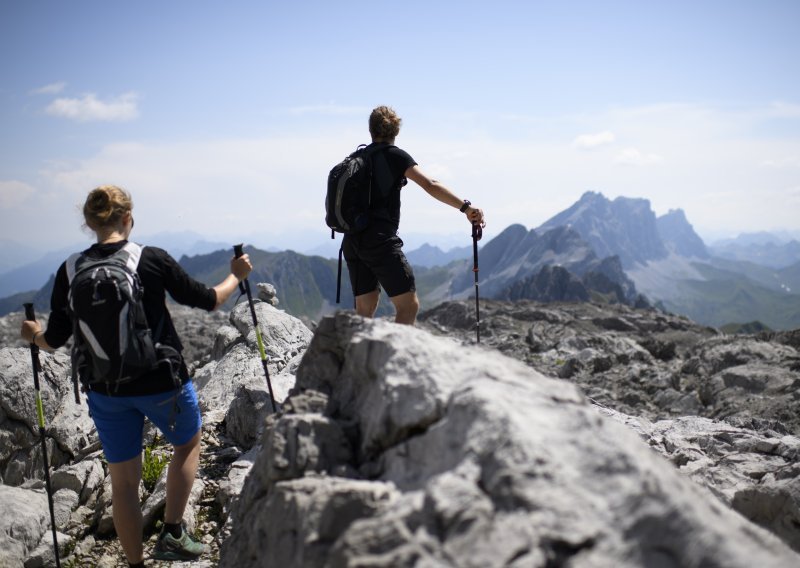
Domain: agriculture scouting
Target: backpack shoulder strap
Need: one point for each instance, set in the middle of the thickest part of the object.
(360, 149)
(72, 265)
(368, 150)
(134, 251)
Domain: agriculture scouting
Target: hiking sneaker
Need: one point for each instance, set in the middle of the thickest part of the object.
(184, 548)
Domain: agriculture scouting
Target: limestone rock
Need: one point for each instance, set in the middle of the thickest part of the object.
(44, 554)
(239, 369)
(84, 478)
(67, 425)
(468, 458)
(755, 470)
(231, 486)
(267, 293)
(284, 336)
(24, 518)
(640, 361)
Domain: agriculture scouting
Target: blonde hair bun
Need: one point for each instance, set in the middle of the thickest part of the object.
(105, 206)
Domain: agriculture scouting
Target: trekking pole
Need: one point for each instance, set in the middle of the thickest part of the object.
(477, 233)
(244, 286)
(31, 316)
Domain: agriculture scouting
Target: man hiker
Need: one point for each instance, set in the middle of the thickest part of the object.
(163, 393)
(374, 256)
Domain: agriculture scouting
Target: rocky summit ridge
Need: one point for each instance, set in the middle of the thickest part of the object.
(574, 435)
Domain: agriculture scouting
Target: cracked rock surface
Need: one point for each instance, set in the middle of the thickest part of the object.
(574, 435)
(397, 448)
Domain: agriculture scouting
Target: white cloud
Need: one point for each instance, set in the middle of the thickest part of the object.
(590, 141)
(634, 157)
(13, 193)
(90, 108)
(239, 187)
(51, 89)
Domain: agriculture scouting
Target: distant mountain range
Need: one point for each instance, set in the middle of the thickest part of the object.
(306, 285)
(669, 263)
(511, 265)
(608, 251)
(624, 227)
(771, 253)
(19, 279)
(428, 255)
(40, 267)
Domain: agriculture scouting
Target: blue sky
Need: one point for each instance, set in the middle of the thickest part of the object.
(224, 117)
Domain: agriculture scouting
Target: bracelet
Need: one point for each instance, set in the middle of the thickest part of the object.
(466, 205)
(33, 338)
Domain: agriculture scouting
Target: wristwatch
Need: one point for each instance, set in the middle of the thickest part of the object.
(466, 205)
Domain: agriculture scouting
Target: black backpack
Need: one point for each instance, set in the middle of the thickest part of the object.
(349, 197)
(113, 343)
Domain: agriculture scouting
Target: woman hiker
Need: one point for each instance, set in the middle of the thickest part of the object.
(165, 394)
(374, 256)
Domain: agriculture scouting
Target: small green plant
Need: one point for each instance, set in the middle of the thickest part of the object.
(70, 561)
(152, 466)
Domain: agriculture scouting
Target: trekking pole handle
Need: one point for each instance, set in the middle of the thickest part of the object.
(29, 313)
(238, 250)
(477, 231)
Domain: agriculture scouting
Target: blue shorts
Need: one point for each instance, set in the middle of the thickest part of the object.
(120, 420)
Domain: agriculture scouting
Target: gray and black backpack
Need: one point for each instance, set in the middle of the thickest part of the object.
(113, 343)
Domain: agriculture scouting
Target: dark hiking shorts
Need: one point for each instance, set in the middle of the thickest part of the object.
(374, 257)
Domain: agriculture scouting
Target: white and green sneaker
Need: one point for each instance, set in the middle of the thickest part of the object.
(184, 548)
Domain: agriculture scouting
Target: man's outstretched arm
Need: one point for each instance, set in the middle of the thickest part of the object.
(440, 192)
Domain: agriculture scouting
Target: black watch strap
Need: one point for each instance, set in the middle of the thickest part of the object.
(466, 205)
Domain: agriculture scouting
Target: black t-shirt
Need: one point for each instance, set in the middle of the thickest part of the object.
(389, 166)
(159, 274)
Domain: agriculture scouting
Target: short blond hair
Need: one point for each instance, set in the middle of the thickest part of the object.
(105, 206)
(384, 124)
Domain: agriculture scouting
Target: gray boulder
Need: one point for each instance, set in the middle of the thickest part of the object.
(640, 362)
(84, 478)
(748, 465)
(237, 369)
(231, 486)
(24, 519)
(429, 454)
(68, 426)
(283, 335)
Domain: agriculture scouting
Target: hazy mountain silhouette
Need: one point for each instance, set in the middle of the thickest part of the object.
(610, 251)
(625, 227)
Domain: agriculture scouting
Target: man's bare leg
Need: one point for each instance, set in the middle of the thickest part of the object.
(367, 304)
(406, 305)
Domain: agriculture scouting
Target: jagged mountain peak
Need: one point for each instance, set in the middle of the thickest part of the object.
(544, 265)
(679, 235)
(625, 227)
